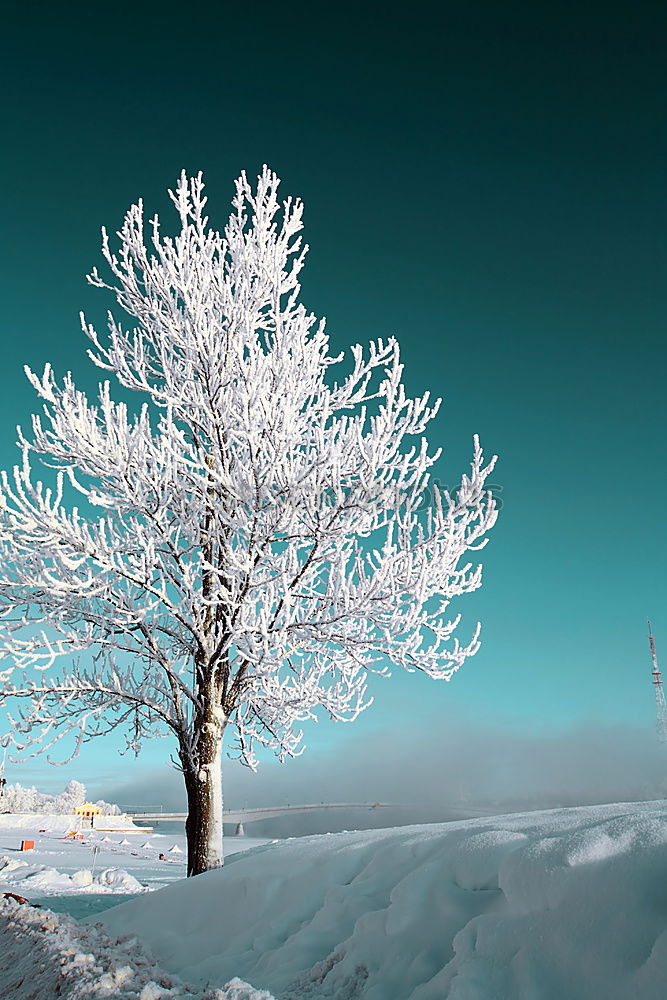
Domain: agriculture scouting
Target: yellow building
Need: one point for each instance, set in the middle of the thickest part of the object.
(88, 811)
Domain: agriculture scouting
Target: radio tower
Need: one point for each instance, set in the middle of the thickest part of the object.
(660, 704)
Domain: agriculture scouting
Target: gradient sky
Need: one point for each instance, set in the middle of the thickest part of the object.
(484, 181)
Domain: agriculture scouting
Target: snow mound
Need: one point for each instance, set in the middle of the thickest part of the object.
(42, 877)
(119, 880)
(82, 879)
(43, 954)
(21, 877)
(567, 903)
(8, 865)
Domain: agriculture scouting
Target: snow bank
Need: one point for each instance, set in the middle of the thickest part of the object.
(66, 821)
(565, 903)
(43, 954)
(36, 879)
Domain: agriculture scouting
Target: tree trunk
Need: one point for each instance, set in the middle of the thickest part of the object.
(203, 827)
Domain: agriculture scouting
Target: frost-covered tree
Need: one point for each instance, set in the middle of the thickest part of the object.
(252, 540)
(73, 796)
(18, 799)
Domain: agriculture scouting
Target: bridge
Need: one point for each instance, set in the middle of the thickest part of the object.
(241, 816)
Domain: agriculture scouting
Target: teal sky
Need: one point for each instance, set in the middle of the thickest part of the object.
(484, 181)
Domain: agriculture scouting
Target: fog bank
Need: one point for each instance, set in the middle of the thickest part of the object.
(430, 775)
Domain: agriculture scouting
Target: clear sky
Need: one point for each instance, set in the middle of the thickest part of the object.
(484, 181)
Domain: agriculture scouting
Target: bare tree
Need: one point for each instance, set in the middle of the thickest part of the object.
(261, 540)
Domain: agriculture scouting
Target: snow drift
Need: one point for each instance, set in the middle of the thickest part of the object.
(564, 903)
(22, 877)
(43, 954)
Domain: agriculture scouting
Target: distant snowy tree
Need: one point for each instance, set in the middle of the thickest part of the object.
(73, 796)
(18, 799)
(108, 808)
(265, 535)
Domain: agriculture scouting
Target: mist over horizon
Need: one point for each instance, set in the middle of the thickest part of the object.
(428, 776)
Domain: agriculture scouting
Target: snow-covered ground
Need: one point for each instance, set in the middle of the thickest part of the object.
(94, 863)
(45, 955)
(567, 904)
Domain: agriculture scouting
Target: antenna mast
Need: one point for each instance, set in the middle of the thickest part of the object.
(660, 704)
